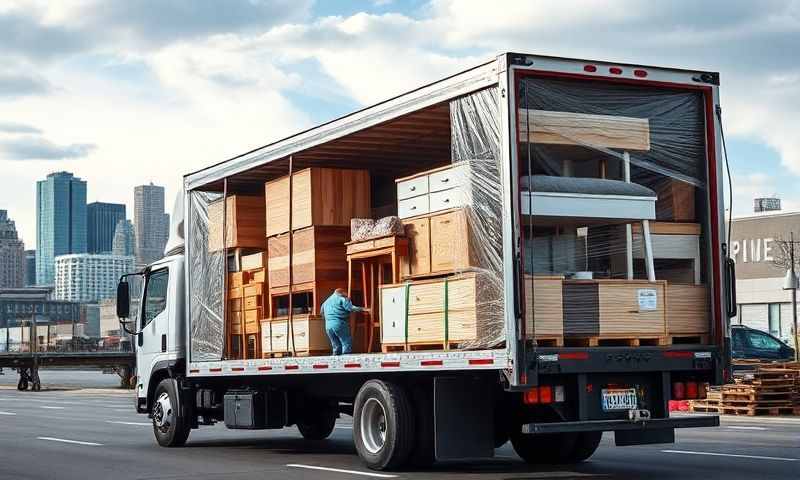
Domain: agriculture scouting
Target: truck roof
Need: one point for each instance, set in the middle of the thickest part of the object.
(466, 81)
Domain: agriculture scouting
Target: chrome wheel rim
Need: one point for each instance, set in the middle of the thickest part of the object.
(373, 426)
(162, 412)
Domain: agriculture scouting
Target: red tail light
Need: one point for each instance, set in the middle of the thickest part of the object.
(640, 73)
(615, 71)
(589, 68)
(531, 397)
(545, 394)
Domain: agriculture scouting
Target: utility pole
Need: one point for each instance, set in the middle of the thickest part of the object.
(791, 283)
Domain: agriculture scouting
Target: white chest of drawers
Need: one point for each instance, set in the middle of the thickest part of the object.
(432, 191)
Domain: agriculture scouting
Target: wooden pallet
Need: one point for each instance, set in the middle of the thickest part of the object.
(418, 346)
(615, 341)
(748, 410)
(555, 341)
(299, 353)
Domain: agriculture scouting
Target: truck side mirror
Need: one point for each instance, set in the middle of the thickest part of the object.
(123, 299)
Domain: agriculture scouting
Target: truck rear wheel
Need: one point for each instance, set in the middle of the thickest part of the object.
(170, 425)
(550, 448)
(383, 425)
(585, 446)
(556, 448)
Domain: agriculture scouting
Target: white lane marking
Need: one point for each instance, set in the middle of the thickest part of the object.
(64, 440)
(7, 413)
(713, 454)
(118, 422)
(340, 470)
(344, 427)
(51, 408)
(738, 427)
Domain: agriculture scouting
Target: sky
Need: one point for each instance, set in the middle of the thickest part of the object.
(123, 93)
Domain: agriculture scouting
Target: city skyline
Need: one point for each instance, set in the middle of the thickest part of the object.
(102, 219)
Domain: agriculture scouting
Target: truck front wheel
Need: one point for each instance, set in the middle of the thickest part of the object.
(383, 425)
(170, 425)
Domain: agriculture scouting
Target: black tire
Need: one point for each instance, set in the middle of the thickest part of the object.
(423, 453)
(550, 448)
(585, 446)
(318, 423)
(175, 426)
(387, 437)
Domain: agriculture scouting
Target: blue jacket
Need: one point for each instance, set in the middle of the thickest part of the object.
(338, 308)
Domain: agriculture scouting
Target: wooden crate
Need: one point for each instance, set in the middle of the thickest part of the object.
(676, 201)
(687, 309)
(320, 196)
(254, 261)
(252, 302)
(309, 337)
(545, 314)
(245, 223)
(237, 279)
(466, 319)
(266, 336)
(318, 254)
(566, 128)
(234, 293)
(612, 309)
(439, 244)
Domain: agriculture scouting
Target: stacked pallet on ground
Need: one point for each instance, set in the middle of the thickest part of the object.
(767, 389)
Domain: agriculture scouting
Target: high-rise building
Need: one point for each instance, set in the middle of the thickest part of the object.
(60, 221)
(101, 220)
(124, 242)
(12, 254)
(30, 268)
(151, 224)
(89, 277)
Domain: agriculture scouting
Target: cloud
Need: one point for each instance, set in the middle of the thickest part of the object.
(12, 127)
(38, 148)
(16, 85)
(23, 34)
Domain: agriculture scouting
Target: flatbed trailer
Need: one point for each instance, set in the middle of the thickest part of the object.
(421, 406)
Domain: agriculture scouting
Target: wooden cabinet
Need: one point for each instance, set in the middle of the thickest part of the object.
(306, 336)
(320, 196)
(433, 307)
(393, 319)
(245, 223)
(433, 191)
(318, 255)
(438, 243)
(418, 231)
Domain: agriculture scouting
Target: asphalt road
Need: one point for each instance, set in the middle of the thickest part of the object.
(95, 433)
(66, 378)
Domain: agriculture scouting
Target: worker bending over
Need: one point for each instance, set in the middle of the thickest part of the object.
(337, 309)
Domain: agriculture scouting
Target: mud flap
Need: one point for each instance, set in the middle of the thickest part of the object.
(463, 418)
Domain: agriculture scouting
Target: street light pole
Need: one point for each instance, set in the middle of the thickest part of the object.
(794, 303)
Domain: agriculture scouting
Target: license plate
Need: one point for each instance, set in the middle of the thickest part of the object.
(619, 399)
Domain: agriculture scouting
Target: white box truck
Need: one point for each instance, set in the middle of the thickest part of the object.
(594, 194)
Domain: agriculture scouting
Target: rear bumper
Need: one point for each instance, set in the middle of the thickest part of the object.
(620, 425)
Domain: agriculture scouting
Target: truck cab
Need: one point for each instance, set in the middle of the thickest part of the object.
(156, 318)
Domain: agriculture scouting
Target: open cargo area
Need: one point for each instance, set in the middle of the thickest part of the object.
(411, 217)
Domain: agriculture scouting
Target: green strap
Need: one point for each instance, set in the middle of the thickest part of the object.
(446, 319)
(405, 320)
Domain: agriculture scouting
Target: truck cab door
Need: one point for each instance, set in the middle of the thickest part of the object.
(154, 328)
